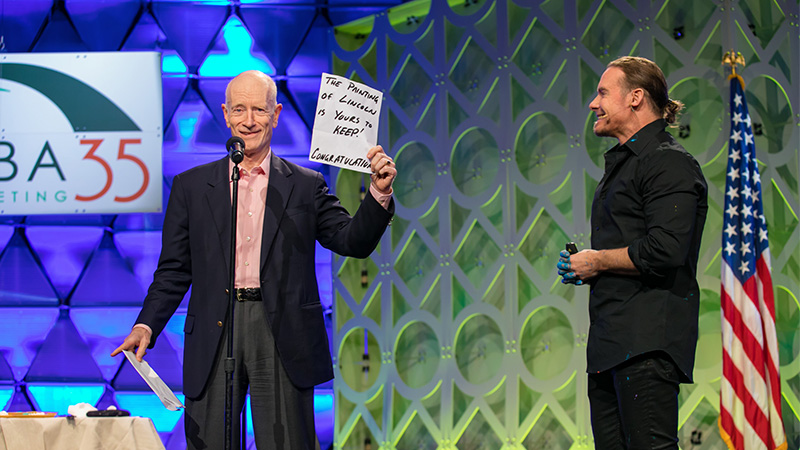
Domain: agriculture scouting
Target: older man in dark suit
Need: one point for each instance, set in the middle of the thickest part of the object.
(280, 343)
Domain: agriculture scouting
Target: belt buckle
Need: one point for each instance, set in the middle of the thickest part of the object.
(239, 295)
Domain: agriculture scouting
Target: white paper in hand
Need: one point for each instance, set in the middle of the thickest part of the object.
(346, 124)
(155, 382)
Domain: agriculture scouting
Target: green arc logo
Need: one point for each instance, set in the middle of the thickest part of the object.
(85, 107)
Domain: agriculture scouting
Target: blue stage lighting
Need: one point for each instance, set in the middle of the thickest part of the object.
(5, 396)
(146, 404)
(323, 402)
(187, 124)
(172, 63)
(238, 55)
(58, 397)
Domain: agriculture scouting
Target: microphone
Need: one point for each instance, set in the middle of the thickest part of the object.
(235, 146)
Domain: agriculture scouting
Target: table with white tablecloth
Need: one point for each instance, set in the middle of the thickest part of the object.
(79, 433)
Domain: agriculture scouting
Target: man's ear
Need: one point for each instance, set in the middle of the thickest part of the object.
(278, 109)
(637, 97)
(225, 115)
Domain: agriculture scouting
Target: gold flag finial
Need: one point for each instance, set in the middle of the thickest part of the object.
(733, 58)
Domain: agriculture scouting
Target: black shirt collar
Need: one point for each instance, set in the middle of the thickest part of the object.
(640, 140)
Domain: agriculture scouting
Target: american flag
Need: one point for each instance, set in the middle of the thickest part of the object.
(750, 395)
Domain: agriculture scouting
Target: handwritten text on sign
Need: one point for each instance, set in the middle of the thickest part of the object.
(346, 124)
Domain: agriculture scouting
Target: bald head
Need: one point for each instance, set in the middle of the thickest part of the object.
(249, 78)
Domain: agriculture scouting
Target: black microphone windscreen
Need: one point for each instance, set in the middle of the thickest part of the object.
(231, 144)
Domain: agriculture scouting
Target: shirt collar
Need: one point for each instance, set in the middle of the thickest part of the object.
(640, 140)
(265, 164)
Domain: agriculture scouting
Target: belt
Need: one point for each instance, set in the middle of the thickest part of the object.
(248, 294)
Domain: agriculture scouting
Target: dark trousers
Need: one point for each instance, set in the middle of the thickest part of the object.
(635, 404)
(283, 415)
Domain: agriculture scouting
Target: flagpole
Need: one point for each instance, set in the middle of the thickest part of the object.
(750, 389)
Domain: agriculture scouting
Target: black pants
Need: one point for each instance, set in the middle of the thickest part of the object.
(283, 414)
(635, 404)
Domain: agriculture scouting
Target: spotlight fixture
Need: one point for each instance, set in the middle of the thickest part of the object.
(412, 20)
(677, 33)
(684, 131)
(758, 129)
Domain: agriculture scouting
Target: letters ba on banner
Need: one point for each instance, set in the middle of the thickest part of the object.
(346, 125)
(81, 133)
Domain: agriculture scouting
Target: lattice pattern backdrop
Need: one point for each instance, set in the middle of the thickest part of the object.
(457, 332)
(70, 286)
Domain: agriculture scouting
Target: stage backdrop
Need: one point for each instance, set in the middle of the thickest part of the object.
(71, 285)
(457, 333)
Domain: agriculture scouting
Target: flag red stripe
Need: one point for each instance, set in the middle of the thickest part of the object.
(727, 424)
(752, 412)
(764, 274)
(774, 380)
(750, 344)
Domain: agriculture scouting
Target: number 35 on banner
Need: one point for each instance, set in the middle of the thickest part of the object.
(95, 143)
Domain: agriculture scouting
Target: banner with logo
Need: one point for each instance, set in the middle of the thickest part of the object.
(80, 133)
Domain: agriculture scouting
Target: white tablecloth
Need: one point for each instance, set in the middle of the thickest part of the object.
(84, 433)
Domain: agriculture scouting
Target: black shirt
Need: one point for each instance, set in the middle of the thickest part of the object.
(653, 200)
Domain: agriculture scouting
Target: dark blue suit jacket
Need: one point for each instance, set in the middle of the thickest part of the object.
(196, 248)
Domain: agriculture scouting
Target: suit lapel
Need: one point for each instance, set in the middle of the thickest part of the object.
(218, 197)
(278, 192)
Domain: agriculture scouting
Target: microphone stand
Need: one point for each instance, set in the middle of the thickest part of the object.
(230, 363)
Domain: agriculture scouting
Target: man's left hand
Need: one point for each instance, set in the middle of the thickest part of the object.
(383, 170)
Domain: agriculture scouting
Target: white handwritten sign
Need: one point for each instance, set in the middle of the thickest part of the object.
(346, 124)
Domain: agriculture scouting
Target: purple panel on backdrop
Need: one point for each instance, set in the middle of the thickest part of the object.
(191, 27)
(140, 250)
(292, 138)
(21, 22)
(107, 279)
(98, 220)
(24, 330)
(173, 89)
(175, 440)
(306, 93)
(268, 25)
(63, 252)
(6, 231)
(102, 23)
(314, 56)
(64, 356)
(193, 128)
(19, 401)
(213, 90)
(103, 330)
(146, 35)
(23, 281)
(5, 370)
(60, 36)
